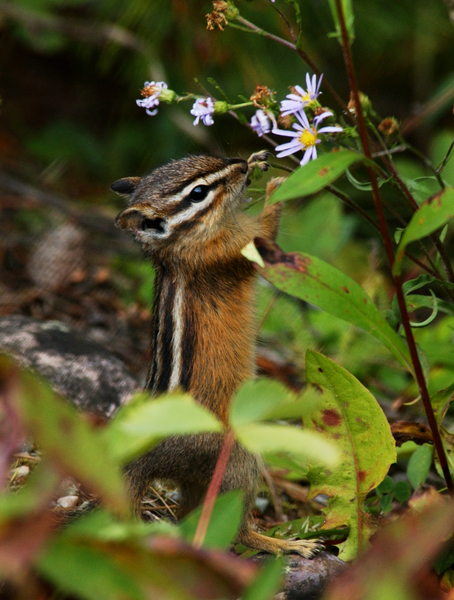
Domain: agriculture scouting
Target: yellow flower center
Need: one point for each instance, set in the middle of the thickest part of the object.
(306, 97)
(308, 138)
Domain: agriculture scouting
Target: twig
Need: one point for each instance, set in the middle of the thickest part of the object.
(91, 220)
(419, 375)
(428, 109)
(274, 495)
(80, 29)
(446, 158)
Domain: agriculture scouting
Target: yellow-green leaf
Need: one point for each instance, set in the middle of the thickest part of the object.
(263, 438)
(350, 415)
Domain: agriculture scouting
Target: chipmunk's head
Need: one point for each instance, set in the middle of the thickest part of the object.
(184, 203)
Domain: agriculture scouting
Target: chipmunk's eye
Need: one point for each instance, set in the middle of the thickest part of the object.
(199, 193)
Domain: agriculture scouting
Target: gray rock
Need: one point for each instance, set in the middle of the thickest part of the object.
(306, 578)
(75, 365)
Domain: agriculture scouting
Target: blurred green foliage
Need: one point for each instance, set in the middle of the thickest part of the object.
(71, 71)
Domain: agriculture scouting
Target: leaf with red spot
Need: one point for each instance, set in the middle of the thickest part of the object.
(315, 175)
(313, 280)
(349, 415)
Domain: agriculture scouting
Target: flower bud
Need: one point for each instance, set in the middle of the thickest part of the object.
(221, 107)
(168, 96)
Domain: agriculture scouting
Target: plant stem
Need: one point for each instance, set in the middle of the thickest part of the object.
(242, 105)
(213, 489)
(418, 372)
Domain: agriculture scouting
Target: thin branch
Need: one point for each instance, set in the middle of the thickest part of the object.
(446, 158)
(419, 375)
(286, 21)
(79, 29)
(428, 109)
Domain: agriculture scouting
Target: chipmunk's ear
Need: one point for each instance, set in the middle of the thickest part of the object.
(127, 185)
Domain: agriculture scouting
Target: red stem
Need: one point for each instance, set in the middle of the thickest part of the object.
(213, 489)
(419, 375)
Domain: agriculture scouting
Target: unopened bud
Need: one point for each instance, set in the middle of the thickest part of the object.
(389, 126)
(221, 107)
(167, 96)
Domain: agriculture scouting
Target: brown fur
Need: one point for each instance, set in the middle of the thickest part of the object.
(219, 310)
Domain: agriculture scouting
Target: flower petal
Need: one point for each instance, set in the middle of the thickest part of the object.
(307, 156)
(330, 130)
(302, 118)
(285, 132)
(319, 118)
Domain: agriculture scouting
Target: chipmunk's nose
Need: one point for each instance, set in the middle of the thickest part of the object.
(244, 165)
(130, 218)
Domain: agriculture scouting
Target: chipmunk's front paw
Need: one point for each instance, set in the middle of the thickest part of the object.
(272, 186)
(258, 159)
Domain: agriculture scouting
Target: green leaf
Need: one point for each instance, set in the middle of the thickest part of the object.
(266, 584)
(87, 572)
(224, 523)
(429, 217)
(315, 175)
(263, 399)
(363, 187)
(103, 526)
(415, 301)
(300, 443)
(65, 436)
(145, 421)
(441, 401)
(419, 465)
(157, 567)
(402, 491)
(386, 486)
(386, 503)
(350, 415)
(313, 280)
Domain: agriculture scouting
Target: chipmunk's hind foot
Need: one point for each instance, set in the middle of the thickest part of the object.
(257, 541)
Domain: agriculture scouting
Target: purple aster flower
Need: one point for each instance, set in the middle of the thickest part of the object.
(305, 137)
(203, 108)
(262, 122)
(296, 102)
(151, 92)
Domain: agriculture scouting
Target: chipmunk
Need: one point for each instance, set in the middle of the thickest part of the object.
(187, 216)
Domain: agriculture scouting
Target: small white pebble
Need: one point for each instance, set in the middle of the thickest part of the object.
(21, 471)
(262, 504)
(68, 501)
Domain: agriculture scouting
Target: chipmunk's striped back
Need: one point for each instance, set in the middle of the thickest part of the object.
(193, 230)
(187, 217)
